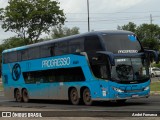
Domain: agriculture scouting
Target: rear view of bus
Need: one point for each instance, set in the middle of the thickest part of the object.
(95, 66)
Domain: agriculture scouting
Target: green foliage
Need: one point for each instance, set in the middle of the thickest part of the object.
(156, 65)
(64, 31)
(1, 12)
(30, 18)
(130, 27)
(155, 86)
(1, 86)
(12, 42)
(148, 34)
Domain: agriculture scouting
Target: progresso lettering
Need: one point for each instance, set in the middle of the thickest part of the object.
(127, 51)
(56, 62)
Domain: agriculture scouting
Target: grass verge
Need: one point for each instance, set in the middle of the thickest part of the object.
(155, 86)
(1, 87)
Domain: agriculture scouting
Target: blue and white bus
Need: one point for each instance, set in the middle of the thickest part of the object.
(94, 66)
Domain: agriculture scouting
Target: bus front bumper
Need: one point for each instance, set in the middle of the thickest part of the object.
(114, 99)
(120, 96)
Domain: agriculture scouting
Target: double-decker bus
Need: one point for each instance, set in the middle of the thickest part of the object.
(94, 66)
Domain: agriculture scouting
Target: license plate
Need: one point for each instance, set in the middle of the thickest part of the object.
(134, 96)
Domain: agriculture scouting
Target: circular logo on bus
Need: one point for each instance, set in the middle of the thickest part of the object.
(16, 72)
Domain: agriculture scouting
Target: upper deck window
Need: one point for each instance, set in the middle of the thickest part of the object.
(61, 48)
(92, 43)
(121, 43)
(10, 57)
(45, 50)
(76, 45)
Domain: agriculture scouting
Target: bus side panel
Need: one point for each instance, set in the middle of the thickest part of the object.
(7, 81)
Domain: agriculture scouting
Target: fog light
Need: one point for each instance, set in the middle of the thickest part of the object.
(118, 90)
(146, 88)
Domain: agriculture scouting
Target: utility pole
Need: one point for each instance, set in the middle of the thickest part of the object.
(151, 19)
(88, 15)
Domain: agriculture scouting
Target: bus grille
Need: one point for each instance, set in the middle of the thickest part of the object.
(129, 91)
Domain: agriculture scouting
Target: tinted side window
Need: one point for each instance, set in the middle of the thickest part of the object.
(61, 48)
(24, 54)
(5, 58)
(76, 45)
(55, 75)
(19, 56)
(92, 43)
(156, 69)
(45, 51)
(13, 57)
(34, 53)
(10, 57)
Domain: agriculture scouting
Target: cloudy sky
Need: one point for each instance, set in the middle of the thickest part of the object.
(104, 14)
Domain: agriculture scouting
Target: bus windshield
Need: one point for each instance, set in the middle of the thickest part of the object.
(130, 70)
(123, 43)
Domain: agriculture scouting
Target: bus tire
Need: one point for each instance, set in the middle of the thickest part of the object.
(25, 95)
(18, 96)
(73, 96)
(87, 97)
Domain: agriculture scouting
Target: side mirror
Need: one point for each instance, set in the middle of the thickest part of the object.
(154, 53)
(110, 55)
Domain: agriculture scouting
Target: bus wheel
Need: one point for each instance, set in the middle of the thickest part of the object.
(25, 95)
(74, 98)
(87, 97)
(18, 96)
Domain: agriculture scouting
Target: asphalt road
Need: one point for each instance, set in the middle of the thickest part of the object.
(63, 108)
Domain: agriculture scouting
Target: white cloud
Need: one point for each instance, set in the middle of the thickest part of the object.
(72, 6)
(105, 6)
(97, 5)
(3, 3)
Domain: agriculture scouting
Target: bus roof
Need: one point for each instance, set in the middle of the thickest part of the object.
(99, 33)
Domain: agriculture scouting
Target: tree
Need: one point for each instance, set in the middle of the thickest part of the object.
(30, 18)
(130, 27)
(148, 34)
(1, 11)
(12, 43)
(64, 31)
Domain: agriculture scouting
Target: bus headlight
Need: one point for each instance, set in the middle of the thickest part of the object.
(146, 88)
(118, 90)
